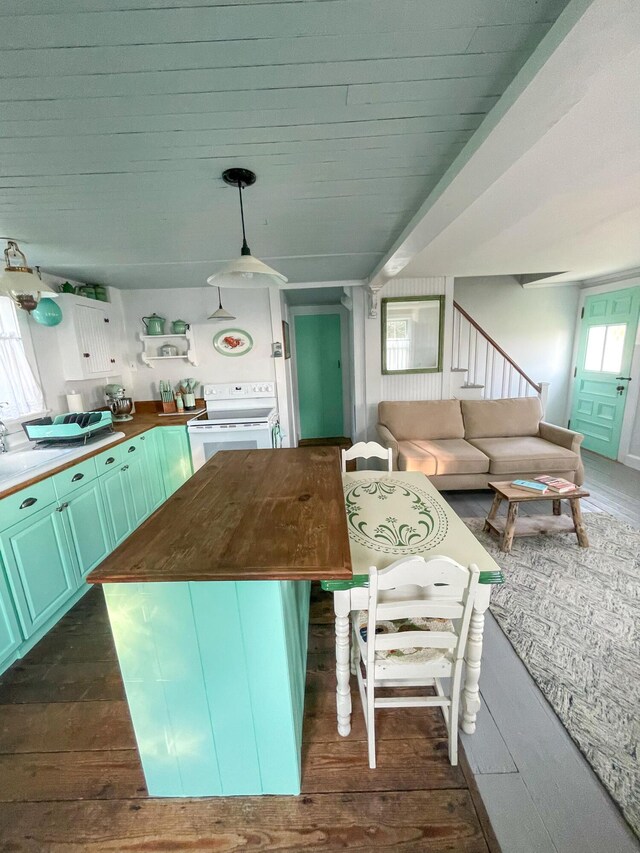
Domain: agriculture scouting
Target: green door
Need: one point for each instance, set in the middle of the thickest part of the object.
(607, 336)
(155, 486)
(10, 636)
(319, 370)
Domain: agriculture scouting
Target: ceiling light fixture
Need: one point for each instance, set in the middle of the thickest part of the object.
(221, 313)
(245, 271)
(19, 282)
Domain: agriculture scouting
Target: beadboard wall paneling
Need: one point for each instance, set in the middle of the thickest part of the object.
(415, 386)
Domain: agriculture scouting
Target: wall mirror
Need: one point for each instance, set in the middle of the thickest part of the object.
(412, 334)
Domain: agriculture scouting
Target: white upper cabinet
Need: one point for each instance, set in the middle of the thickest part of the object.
(88, 343)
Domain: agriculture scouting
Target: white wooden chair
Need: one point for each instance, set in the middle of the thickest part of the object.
(367, 450)
(400, 645)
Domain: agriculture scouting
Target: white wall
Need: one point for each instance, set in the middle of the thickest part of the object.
(535, 326)
(414, 386)
(194, 304)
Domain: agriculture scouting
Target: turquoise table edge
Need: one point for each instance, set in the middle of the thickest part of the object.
(362, 580)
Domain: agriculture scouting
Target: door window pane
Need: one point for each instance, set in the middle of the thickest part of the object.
(604, 348)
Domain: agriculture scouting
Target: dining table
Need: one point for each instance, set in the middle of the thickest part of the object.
(395, 514)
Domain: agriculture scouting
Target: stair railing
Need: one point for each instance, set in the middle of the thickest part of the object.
(487, 364)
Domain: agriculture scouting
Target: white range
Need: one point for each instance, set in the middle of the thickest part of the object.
(239, 416)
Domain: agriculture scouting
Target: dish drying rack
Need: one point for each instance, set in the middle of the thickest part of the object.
(76, 428)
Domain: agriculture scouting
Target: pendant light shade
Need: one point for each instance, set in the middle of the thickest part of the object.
(221, 313)
(19, 282)
(245, 271)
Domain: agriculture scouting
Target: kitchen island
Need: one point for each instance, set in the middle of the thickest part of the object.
(208, 604)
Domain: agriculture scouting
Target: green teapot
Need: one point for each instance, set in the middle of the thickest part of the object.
(154, 325)
(179, 327)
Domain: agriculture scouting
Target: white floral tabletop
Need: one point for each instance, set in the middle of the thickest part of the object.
(393, 514)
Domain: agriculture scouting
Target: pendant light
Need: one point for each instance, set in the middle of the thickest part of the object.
(221, 313)
(19, 282)
(245, 271)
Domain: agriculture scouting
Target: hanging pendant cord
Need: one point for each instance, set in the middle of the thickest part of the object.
(245, 248)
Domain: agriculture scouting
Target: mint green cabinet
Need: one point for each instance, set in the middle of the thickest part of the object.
(52, 534)
(175, 457)
(10, 636)
(155, 484)
(40, 567)
(135, 479)
(86, 527)
(113, 487)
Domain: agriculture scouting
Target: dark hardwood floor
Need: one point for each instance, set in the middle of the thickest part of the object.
(70, 778)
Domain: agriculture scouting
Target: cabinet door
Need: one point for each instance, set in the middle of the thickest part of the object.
(40, 567)
(155, 490)
(86, 527)
(135, 471)
(113, 487)
(175, 457)
(94, 336)
(10, 636)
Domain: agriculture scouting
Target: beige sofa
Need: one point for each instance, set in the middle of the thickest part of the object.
(464, 444)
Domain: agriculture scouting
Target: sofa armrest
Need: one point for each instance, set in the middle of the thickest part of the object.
(387, 440)
(568, 439)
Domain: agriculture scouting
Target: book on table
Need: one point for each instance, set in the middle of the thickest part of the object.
(557, 484)
(530, 486)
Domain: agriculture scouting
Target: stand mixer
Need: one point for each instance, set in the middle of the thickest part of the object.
(120, 405)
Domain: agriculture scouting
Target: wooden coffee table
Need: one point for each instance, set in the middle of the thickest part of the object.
(510, 525)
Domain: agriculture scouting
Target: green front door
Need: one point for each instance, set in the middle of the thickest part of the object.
(319, 369)
(607, 336)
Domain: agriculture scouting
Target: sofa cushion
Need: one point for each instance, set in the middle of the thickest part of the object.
(422, 419)
(527, 454)
(455, 456)
(413, 458)
(491, 418)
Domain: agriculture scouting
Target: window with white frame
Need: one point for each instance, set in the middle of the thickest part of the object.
(20, 391)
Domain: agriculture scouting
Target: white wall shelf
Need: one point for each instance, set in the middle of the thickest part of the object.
(149, 360)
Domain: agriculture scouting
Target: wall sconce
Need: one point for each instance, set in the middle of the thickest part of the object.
(19, 282)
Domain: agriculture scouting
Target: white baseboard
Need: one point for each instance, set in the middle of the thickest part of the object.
(631, 461)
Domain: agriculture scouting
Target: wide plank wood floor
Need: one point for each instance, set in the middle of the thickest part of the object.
(70, 778)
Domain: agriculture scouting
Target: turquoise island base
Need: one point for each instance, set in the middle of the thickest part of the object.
(209, 608)
(214, 673)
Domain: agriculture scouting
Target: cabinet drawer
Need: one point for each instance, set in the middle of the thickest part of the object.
(109, 460)
(26, 502)
(68, 481)
(133, 447)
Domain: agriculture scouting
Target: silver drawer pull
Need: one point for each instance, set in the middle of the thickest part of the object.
(124, 468)
(76, 477)
(109, 461)
(28, 502)
(131, 449)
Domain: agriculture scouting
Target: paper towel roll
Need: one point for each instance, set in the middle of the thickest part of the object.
(74, 403)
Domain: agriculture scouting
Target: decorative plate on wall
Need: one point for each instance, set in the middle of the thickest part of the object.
(232, 342)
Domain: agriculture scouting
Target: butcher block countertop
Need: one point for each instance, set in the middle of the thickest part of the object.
(146, 418)
(245, 515)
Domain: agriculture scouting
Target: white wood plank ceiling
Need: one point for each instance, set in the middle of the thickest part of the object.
(118, 117)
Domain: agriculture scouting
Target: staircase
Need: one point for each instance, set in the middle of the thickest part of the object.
(481, 369)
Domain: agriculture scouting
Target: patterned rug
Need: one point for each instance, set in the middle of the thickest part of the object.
(573, 616)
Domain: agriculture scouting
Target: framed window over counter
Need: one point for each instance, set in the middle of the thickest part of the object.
(412, 334)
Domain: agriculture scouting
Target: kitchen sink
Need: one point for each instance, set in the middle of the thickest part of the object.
(17, 466)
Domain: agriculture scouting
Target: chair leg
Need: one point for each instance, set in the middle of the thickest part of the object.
(371, 726)
(453, 730)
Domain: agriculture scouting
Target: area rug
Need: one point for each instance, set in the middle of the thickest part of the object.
(572, 615)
